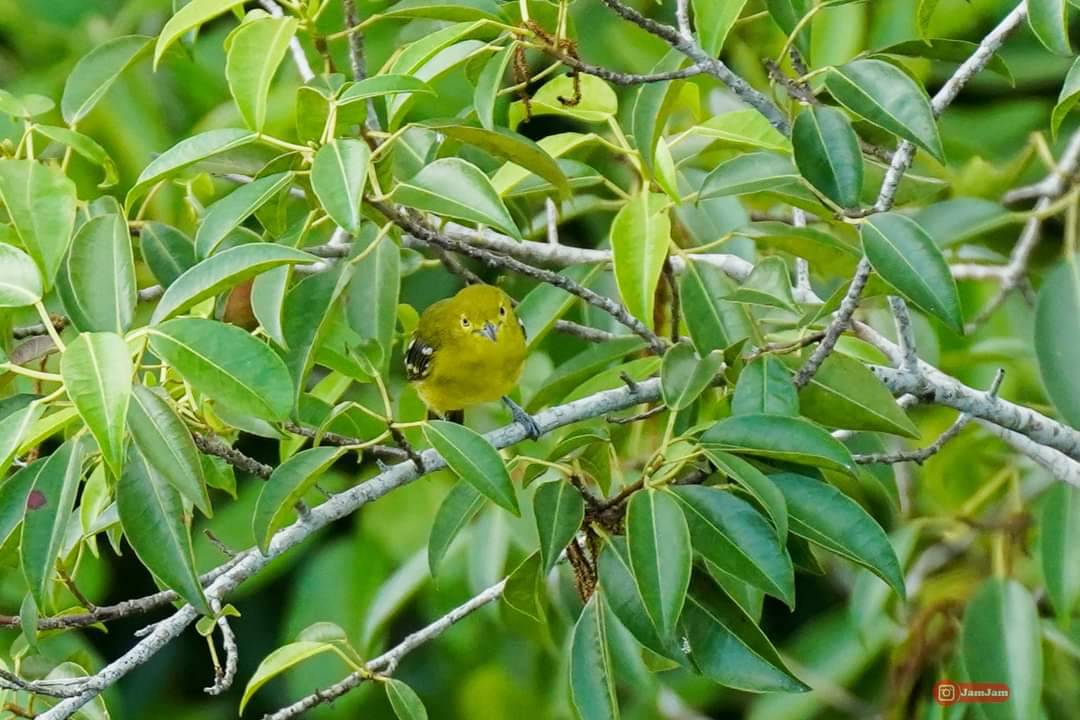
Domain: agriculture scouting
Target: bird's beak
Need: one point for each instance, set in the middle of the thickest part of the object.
(489, 331)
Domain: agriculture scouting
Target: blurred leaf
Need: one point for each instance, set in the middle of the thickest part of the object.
(338, 176)
(458, 507)
(488, 85)
(1049, 20)
(582, 366)
(947, 49)
(452, 10)
(474, 460)
(827, 154)
(886, 96)
(640, 236)
(20, 281)
(227, 365)
(559, 511)
(97, 280)
(287, 486)
(167, 251)
(97, 372)
(843, 393)
(228, 213)
(1057, 345)
(1000, 644)
(254, 51)
(406, 703)
(592, 681)
(40, 201)
(684, 375)
(713, 21)
(95, 709)
(907, 258)
(954, 221)
(1067, 99)
(546, 304)
(1059, 532)
(658, 541)
(96, 72)
(765, 386)
(779, 437)
(454, 188)
(189, 17)
(185, 153)
(282, 659)
(924, 13)
(787, 14)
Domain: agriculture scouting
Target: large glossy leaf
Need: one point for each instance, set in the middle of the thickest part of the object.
(165, 441)
(287, 485)
(907, 258)
(620, 593)
(40, 202)
(97, 372)
(757, 484)
(404, 700)
(189, 17)
(371, 301)
(592, 680)
(1057, 344)
(226, 214)
(254, 52)
(714, 324)
(743, 129)
(658, 540)
(20, 279)
(167, 251)
(559, 511)
(684, 375)
(886, 96)
(457, 509)
(381, 85)
(1059, 532)
(284, 658)
(652, 104)
(825, 516)
(713, 21)
(736, 538)
(843, 393)
(454, 188)
(305, 319)
(97, 282)
(749, 173)
(185, 153)
(13, 493)
(48, 508)
(338, 175)
(13, 428)
(640, 237)
(1049, 20)
(221, 271)
(153, 517)
(827, 154)
(226, 365)
(96, 72)
(765, 386)
(1000, 644)
(779, 437)
(474, 460)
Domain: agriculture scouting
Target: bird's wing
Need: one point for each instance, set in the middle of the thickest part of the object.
(418, 359)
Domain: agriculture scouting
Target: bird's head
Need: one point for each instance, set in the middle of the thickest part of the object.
(483, 311)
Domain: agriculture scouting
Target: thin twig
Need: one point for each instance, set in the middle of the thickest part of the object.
(213, 445)
(224, 677)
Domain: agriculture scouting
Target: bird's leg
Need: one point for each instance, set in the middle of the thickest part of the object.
(522, 418)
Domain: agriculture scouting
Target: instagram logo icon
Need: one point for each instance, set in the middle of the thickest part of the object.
(945, 692)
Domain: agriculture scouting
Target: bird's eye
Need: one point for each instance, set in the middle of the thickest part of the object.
(464, 321)
(502, 311)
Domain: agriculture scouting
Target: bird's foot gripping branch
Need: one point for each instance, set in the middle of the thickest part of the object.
(737, 316)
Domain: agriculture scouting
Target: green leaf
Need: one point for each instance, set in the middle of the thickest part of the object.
(287, 486)
(907, 258)
(736, 538)
(253, 53)
(452, 10)
(305, 318)
(652, 104)
(760, 487)
(97, 282)
(406, 703)
(743, 129)
(282, 659)
(592, 680)
(454, 188)
(227, 214)
(573, 372)
(843, 393)
(1057, 344)
(924, 13)
(684, 375)
(714, 324)
(545, 304)
(167, 251)
(85, 146)
(338, 175)
(946, 49)
(598, 101)
(728, 648)
(222, 271)
(823, 515)
(227, 365)
(185, 153)
(97, 372)
(713, 21)
(24, 107)
(1000, 644)
(658, 540)
(749, 173)
(153, 517)
(769, 285)
(457, 509)
(48, 507)
(13, 493)
(765, 386)
(827, 154)
(380, 85)
(371, 301)
(524, 586)
(1049, 20)
(508, 145)
(1067, 98)
(96, 72)
(488, 85)
(165, 442)
(20, 281)
(787, 14)
(559, 511)
(640, 237)
(779, 437)
(887, 97)
(474, 460)
(12, 429)
(189, 17)
(40, 202)
(620, 592)
(1059, 532)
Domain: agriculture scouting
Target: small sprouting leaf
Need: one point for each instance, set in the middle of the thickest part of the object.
(20, 280)
(1057, 344)
(457, 509)
(658, 540)
(592, 680)
(97, 281)
(185, 153)
(907, 258)
(189, 17)
(228, 213)
(227, 365)
(825, 516)
(779, 437)
(97, 372)
(827, 154)
(559, 511)
(96, 72)
(406, 703)
(282, 659)
(1059, 532)
(640, 237)
(40, 202)
(457, 189)
(684, 375)
(286, 486)
(338, 174)
(1049, 20)
(254, 51)
(765, 386)
(884, 95)
(474, 460)
(153, 517)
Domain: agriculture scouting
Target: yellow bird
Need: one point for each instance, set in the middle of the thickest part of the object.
(468, 350)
